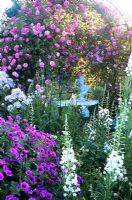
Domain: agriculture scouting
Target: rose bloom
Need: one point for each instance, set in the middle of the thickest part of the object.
(15, 74)
(68, 42)
(57, 45)
(66, 3)
(25, 31)
(14, 30)
(9, 68)
(43, 97)
(52, 64)
(16, 47)
(41, 64)
(130, 33)
(53, 26)
(62, 39)
(25, 65)
(47, 32)
(57, 30)
(49, 4)
(49, 36)
(47, 82)
(58, 54)
(17, 55)
(19, 67)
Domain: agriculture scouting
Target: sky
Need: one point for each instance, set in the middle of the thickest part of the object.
(3, 5)
(123, 5)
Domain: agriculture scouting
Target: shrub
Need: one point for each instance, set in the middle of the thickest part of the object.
(53, 37)
(29, 162)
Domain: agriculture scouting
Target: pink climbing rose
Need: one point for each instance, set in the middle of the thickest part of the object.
(66, 3)
(38, 29)
(52, 64)
(25, 31)
(14, 30)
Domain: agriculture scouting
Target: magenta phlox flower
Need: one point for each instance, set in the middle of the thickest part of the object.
(34, 160)
(11, 197)
(46, 194)
(8, 173)
(14, 152)
(24, 186)
(2, 162)
(32, 198)
(32, 179)
(1, 176)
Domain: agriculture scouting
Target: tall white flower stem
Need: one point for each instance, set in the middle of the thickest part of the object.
(68, 165)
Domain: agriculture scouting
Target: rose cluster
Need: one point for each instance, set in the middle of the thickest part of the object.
(27, 48)
(29, 162)
(53, 38)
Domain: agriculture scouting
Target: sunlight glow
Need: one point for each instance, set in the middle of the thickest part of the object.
(3, 5)
(124, 6)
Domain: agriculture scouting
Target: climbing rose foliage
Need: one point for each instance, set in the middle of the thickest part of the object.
(59, 38)
(34, 39)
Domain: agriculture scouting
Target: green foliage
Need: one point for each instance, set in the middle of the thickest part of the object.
(98, 92)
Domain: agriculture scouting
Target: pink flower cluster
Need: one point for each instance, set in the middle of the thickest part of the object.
(46, 31)
(38, 29)
(59, 40)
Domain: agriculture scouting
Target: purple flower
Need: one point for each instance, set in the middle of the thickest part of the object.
(22, 156)
(33, 179)
(5, 168)
(24, 186)
(10, 134)
(41, 169)
(8, 173)
(1, 177)
(46, 194)
(49, 196)
(51, 182)
(2, 162)
(19, 154)
(43, 193)
(11, 197)
(29, 172)
(14, 152)
(79, 179)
